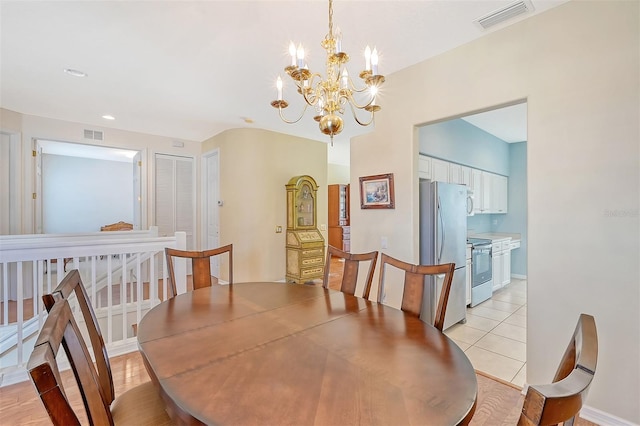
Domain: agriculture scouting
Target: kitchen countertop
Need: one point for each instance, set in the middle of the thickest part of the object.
(495, 236)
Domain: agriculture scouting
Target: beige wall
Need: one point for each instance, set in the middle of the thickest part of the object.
(10, 121)
(255, 166)
(577, 66)
(337, 173)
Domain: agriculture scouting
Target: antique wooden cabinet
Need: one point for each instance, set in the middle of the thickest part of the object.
(338, 209)
(305, 245)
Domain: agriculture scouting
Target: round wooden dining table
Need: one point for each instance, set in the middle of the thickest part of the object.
(290, 354)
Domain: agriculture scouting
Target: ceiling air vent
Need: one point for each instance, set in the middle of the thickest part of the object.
(95, 135)
(504, 13)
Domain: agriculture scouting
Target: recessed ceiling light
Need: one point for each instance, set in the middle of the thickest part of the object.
(108, 117)
(247, 120)
(76, 73)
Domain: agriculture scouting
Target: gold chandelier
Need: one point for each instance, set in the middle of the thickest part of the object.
(330, 95)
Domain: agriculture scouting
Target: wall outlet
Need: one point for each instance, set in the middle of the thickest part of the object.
(323, 227)
(278, 229)
(384, 242)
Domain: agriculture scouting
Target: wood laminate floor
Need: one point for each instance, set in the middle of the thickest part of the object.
(499, 403)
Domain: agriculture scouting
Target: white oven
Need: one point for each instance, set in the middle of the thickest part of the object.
(481, 270)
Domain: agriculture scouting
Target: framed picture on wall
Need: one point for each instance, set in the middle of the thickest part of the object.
(376, 192)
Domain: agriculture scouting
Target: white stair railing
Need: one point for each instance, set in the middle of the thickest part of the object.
(124, 274)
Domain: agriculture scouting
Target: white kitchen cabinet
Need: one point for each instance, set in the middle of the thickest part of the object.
(465, 174)
(424, 167)
(501, 252)
(439, 170)
(499, 191)
(490, 190)
(486, 192)
(455, 173)
(476, 185)
(497, 259)
(506, 264)
(459, 174)
(469, 275)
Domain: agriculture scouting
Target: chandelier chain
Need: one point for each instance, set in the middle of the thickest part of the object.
(330, 18)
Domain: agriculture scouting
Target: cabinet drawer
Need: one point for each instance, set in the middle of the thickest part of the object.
(313, 252)
(346, 230)
(346, 245)
(311, 272)
(514, 245)
(312, 261)
(496, 246)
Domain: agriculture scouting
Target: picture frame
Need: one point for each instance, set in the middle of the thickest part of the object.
(376, 192)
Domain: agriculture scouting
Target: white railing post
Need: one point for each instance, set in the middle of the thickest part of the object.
(180, 264)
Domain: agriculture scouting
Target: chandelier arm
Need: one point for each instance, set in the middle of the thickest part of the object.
(352, 102)
(292, 121)
(355, 117)
(310, 89)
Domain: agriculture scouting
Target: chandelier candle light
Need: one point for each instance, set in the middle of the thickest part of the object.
(330, 95)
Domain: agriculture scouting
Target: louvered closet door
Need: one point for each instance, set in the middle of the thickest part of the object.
(175, 197)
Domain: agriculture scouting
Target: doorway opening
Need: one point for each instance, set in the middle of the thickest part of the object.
(488, 152)
(100, 185)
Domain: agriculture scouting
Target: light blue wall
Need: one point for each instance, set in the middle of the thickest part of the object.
(463, 143)
(83, 194)
(460, 142)
(516, 219)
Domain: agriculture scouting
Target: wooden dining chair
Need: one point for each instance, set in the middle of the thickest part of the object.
(414, 279)
(350, 270)
(201, 265)
(72, 283)
(562, 400)
(141, 405)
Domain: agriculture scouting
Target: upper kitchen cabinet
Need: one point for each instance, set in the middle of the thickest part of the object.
(459, 174)
(489, 189)
(499, 189)
(424, 167)
(439, 170)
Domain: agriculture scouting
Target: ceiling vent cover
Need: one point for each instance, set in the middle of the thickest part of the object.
(505, 13)
(95, 135)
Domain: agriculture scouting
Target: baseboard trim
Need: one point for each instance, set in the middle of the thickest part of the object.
(519, 276)
(601, 418)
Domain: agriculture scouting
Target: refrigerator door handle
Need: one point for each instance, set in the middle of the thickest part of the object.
(441, 229)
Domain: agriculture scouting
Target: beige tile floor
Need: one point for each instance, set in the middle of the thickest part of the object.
(495, 334)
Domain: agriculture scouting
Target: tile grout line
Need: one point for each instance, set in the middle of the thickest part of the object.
(506, 293)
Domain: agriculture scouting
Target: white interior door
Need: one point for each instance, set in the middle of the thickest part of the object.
(174, 196)
(38, 187)
(5, 185)
(137, 191)
(211, 196)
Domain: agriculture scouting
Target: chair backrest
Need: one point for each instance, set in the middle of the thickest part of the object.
(201, 265)
(350, 271)
(72, 283)
(61, 328)
(414, 282)
(562, 400)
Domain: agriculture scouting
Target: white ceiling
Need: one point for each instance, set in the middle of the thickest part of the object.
(191, 69)
(508, 123)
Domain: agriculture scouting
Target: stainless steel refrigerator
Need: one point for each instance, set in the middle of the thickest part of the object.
(443, 239)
